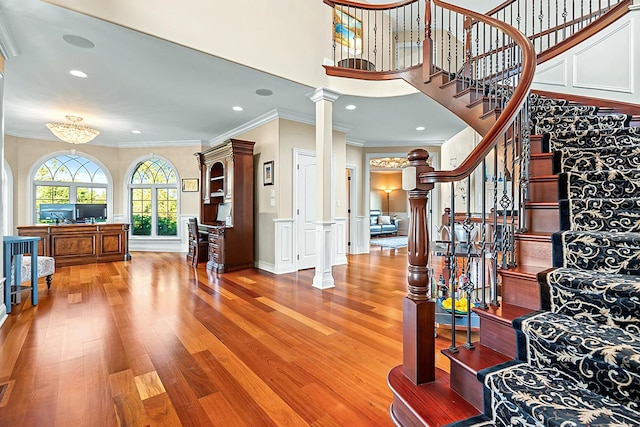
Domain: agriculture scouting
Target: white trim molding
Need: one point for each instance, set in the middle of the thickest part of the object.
(284, 248)
(340, 241)
(323, 279)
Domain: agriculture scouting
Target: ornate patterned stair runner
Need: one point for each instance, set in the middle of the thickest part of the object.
(602, 358)
(592, 297)
(616, 215)
(580, 357)
(520, 394)
(594, 138)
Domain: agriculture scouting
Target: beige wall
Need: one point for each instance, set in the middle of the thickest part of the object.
(22, 154)
(355, 158)
(381, 181)
(266, 138)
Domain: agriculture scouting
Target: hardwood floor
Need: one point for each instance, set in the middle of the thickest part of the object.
(150, 342)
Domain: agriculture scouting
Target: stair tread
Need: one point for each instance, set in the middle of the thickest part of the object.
(473, 360)
(526, 271)
(428, 403)
(505, 313)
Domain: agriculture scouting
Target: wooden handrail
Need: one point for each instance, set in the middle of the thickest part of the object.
(368, 6)
(510, 111)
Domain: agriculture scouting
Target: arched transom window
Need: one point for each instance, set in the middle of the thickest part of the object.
(68, 180)
(154, 199)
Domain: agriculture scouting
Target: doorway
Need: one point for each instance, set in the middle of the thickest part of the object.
(305, 208)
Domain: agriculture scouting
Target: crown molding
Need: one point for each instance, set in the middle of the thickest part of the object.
(8, 47)
(355, 142)
(268, 117)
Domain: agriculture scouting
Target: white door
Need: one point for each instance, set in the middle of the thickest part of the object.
(306, 210)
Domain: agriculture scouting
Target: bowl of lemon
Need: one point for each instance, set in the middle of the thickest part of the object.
(460, 305)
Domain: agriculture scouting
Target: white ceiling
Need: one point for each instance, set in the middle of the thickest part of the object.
(168, 92)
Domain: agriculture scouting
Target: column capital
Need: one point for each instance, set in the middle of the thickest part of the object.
(324, 94)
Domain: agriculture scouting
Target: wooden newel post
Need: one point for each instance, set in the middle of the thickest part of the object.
(418, 334)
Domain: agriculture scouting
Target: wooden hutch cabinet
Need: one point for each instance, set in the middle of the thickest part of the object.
(226, 208)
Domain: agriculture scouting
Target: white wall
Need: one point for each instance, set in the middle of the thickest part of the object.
(605, 66)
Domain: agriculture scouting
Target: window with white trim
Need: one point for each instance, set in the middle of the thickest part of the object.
(68, 179)
(153, 191)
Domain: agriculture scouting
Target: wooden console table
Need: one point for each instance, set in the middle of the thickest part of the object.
(14, 248)
(73, 244)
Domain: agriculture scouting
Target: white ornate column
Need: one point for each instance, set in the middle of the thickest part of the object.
(324, 99)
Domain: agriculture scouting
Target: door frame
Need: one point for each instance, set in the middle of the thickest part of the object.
(353, 206)
(297, 153)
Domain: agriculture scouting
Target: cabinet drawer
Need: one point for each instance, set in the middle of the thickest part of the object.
(213, 238)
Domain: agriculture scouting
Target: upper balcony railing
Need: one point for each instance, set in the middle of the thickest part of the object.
(555, 25)
(380, 38)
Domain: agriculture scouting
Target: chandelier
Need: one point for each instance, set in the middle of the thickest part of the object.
(73, 132)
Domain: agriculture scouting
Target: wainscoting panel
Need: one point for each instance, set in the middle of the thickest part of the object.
(359, 234)
(556, 74)
(340, 241)
(616, 49)
(284, 262)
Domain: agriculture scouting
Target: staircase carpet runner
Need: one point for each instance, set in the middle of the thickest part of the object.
(540, 111)
(605, 359)
(520, 394)
(592, 297)
(618, 215)
(606, 252)
(580, 357)
(549, 124)
(596, 159)
(593, 138)
(605, 184)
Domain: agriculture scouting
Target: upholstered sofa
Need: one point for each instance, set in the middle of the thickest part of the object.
(382, 224)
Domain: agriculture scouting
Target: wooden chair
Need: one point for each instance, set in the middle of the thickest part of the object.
(198, 243)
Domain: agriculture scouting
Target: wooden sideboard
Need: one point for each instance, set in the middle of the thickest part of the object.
(72, 244)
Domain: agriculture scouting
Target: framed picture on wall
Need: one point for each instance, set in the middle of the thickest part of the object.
(190, 185)
(267, 173)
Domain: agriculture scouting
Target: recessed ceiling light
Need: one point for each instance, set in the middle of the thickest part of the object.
(350, 107)
(237, 108)
(78, 41)
(420, 128)
(264, 92)
(78, 73)
(136, 132)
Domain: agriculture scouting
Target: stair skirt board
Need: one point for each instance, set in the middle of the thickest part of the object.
(607, 299)
(517, 393)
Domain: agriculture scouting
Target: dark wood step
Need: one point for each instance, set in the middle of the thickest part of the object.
(431, 404)
(543, 218)
(465, 365)
(496, 331)
(534, 250)
(541, 165)
(520, 286)
(543, 189)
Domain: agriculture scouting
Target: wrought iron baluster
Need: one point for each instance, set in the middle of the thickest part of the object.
(483, 238)
(453, 267)
(467, 286)
(493, 297)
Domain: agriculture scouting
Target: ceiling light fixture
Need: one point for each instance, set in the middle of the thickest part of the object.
(137, 132)
(237, 108)
(350, 107)
(420, 128)
(78, 73)
(72, 132)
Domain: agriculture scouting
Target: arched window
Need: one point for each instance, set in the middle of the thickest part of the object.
(154, 199)
(68, 179)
